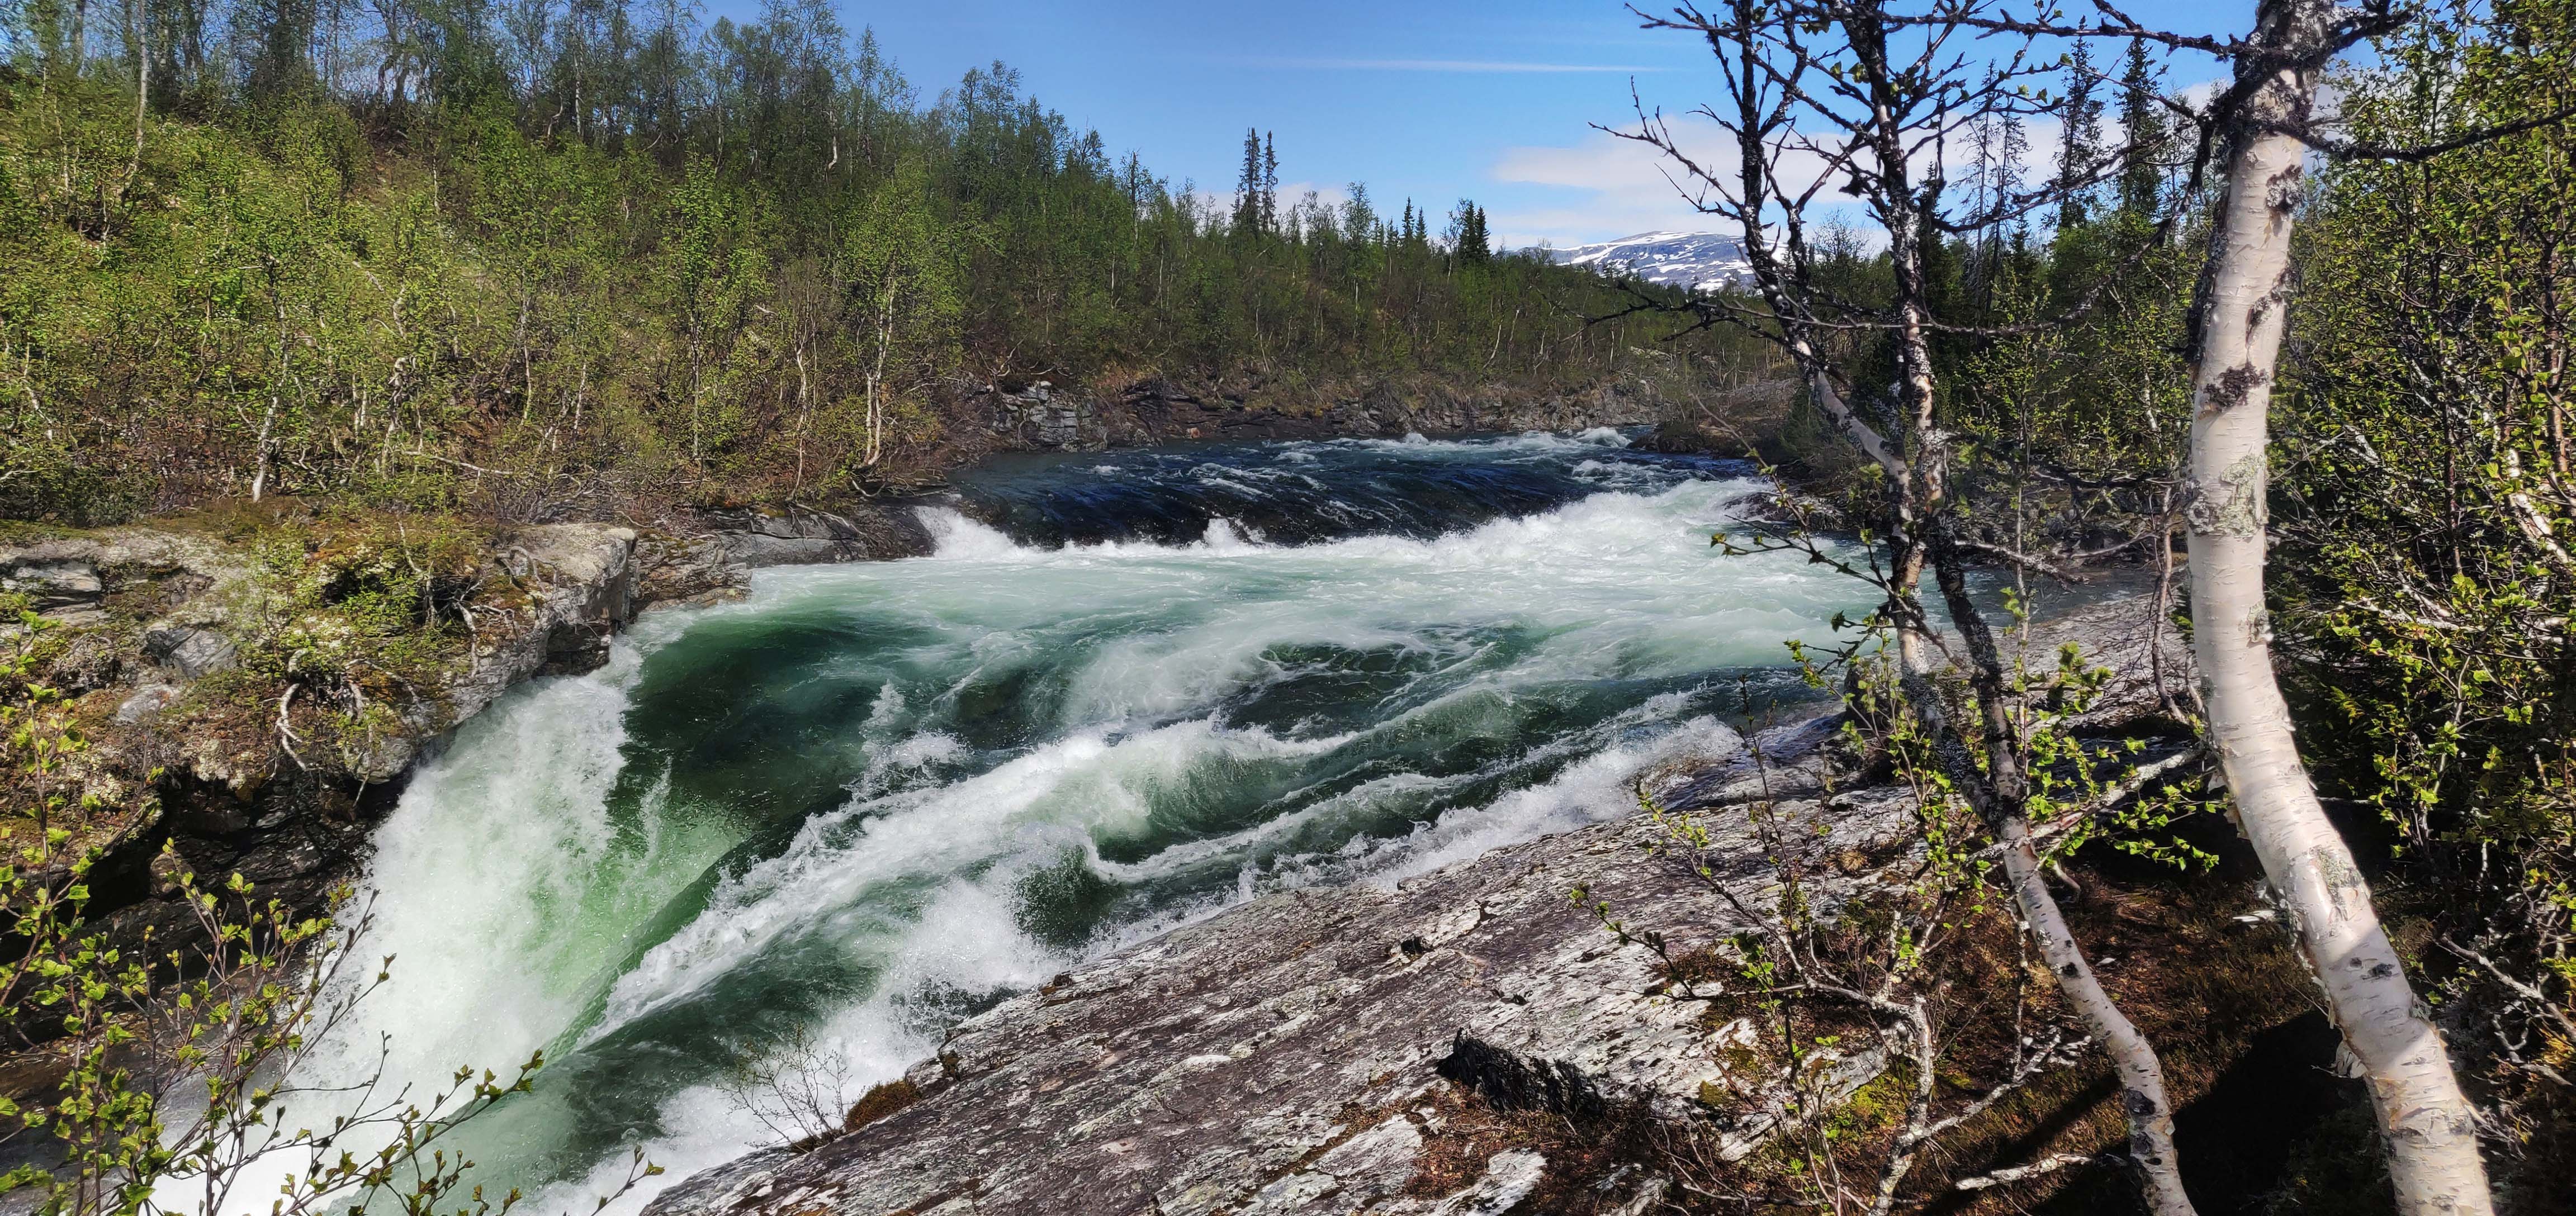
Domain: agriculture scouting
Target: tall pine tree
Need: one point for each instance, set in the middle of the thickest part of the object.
(2078, 149)
(2143, 134)
(1247, 186)
(1269, 183)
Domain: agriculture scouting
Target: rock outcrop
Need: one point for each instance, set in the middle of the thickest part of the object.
(1296, 1054)
(150, 622)
(797, 535)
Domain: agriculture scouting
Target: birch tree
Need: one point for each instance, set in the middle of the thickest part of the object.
(902, 305)
(2418, 523)
(1855, 97)
(2266, 127)
(2242, 314)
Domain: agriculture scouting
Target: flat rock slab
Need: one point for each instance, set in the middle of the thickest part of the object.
(1276, 1058)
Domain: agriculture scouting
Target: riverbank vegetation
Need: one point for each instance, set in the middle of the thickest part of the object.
(2105, 363)
(552, 260)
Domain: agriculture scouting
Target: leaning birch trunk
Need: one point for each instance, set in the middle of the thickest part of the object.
(2143, 1100)
(2003, 790)
(2427, 1122)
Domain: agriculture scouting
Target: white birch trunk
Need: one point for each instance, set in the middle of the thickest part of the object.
(2143, 1101)
(259, 461)
(2142, 1076)
(876, 375)
(2429, 1127)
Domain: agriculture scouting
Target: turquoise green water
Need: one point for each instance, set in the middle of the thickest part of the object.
(876, 798)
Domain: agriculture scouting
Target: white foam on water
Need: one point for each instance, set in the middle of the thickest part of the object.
(997, 825)
(1593, 789)
(509, 884)
(953, 535)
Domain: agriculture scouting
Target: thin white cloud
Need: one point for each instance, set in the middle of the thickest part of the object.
(1447, 65)
(1618, 187)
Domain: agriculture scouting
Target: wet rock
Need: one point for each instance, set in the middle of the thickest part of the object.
(579, 582)
(803, 536)
(1274, 1058)
(586, 589)
(687, 572)
(759, 550)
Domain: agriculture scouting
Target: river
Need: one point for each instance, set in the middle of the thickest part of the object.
(1127, 690)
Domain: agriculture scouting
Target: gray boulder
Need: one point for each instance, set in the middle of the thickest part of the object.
(803, 536)
(191, 652)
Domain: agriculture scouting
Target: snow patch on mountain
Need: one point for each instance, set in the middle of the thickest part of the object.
(1691, 260)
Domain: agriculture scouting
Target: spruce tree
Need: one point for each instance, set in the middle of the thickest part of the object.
(1269, 183)
(2143, 133)
(1247, 187)
(2076, 153)
(1469, 239)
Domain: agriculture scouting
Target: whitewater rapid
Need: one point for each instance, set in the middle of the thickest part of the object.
(873, 799)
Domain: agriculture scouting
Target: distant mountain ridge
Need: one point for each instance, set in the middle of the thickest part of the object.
(1689, 260)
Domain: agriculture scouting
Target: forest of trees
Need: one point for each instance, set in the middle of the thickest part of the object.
(590, 253)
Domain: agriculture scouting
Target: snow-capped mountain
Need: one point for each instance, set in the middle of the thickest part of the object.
(1675, 259)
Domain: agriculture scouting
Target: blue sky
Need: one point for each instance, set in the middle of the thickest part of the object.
(1429, 99)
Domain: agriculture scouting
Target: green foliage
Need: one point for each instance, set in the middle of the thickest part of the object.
(544, 266)
(182, 1068)
(2428, 487)
(39, 737)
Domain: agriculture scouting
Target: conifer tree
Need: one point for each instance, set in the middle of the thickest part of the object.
(1269, 183)
(2077, 151)
(2143, 133)
(1247, 187)
(1469, 240)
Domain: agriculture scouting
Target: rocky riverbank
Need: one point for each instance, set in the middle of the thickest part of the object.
(215, 682)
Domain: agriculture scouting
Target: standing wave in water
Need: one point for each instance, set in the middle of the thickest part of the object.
(876, 798)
